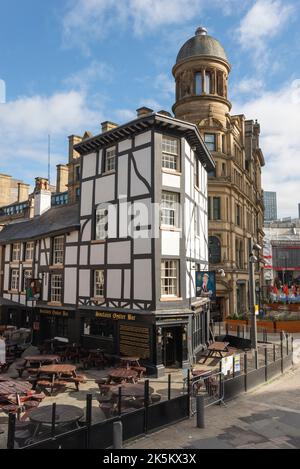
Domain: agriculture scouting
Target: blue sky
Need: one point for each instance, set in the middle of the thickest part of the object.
(69, 65)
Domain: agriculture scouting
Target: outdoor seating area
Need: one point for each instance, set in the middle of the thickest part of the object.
(14, 343)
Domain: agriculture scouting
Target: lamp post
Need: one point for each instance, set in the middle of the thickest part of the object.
(252, 261)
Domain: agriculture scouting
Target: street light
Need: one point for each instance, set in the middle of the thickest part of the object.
(253, 259)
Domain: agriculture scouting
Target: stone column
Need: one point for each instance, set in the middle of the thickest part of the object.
(203, 80)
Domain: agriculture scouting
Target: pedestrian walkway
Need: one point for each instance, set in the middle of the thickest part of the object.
(268, 417)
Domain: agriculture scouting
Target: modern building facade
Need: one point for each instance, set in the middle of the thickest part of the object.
(282, 253)
(270, 201)
(116, 269)
(235, 205)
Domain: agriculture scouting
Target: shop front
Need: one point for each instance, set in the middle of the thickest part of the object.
(16, 314)
(120, 333)
(57, 323)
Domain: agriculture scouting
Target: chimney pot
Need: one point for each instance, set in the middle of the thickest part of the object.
(144, 111)
(107, 126)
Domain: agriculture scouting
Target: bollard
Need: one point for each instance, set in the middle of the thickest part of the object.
(118, 435)
(200, 411)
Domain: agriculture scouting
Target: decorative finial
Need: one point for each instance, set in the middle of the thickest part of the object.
(201, 31)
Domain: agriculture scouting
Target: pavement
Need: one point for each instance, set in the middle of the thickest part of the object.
(267, 418)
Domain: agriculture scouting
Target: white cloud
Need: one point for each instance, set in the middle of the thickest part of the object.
(247, 85)
(92, 19)
(165, 85)
(26, 122)
(96, 71)
(278, 114)
(265, 20)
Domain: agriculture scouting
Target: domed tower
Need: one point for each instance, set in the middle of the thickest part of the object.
(201, 73)
(235, 208)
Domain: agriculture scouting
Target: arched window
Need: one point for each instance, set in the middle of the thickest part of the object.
(208, 84)
(198, 83)
(214, 249)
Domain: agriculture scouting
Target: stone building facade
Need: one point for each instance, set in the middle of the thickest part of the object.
(235, 208)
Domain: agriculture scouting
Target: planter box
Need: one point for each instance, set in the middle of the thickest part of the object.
(266, 325)
(286, 326)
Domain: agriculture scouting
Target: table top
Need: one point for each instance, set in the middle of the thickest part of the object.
(42, 358)
(123, 373)
(200, 372)
(56, 369)
(14, 386)
(129, 359)
(63, 414)
(219, 346)
(134, 390)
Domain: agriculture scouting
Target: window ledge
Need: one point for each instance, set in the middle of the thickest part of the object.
(108, 173)
(170, 300)
(13, 292)
(53, 303)
(98, 299)
(98, 241)
(172, 171)
(56, 267)
(171, 228)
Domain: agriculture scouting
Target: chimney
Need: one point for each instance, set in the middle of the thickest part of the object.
(42, 196)
(73, 140)
(62, 175)
(107, 126)
(144, 111)
(23, 190)
(164, 113)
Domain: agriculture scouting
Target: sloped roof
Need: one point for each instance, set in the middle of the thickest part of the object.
(56, 220)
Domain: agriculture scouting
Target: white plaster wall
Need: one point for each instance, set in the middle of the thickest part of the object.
(143, 279)
(143, 163)
(114, 280)
(71, 255)
(83, 255)
(119, 253)
(84, 283)
(171, 180)
(87, 198)
(142, 139)
(125, 145)
(89, 166)
(127, 283)
(43, 259)
(23, 300)
(47, 243)
(73, 237)
(45, 287)
(7, 252)
(105, 189)
(123, 176)
(6, 278)
(142, 246)
(15, 298)
(86, 232)
(97, 254)
(170, 243)
(70, 285)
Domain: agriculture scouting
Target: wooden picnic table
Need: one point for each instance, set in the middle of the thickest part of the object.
(59, 370)
(38, 360)
(60, 376)
(123, 374)
(64, 415)
(131, 390)
(217, 347)
(14, 387)
(130, 361)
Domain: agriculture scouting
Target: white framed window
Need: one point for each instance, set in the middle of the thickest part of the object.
(14, 283)
(101, 224)
(56, 288)
(170, 209)
(169, 278)
(16, 252)
(99, 284)
(170, 153)
(27, 276)
(110, 160)
(198, 83)
(29, 250)
(58, 250)
(211, 141)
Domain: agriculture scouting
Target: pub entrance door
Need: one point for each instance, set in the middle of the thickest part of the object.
(172, 347)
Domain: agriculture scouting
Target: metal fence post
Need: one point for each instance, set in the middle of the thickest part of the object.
(287, 345)
(169, 387)
(274, 353)
(281, 350)
(146, 405)
(89, 400)
(256, 360)
(246, 371)
(266, 364)
(11, 431)
(118, 435)
(120, 401)
(53, 420)
(200, 404)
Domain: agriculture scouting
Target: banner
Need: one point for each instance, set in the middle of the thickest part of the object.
(206, 284)
(33, 289)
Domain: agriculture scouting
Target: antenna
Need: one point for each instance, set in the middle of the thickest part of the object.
(49, 158)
